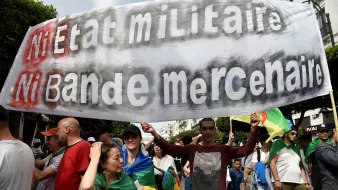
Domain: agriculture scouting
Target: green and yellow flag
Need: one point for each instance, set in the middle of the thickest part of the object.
(273, 120)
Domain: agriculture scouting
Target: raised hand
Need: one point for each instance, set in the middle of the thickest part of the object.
(254, 119)
(147, 128)
(95, 151)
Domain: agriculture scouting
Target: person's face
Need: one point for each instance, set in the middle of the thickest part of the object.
(114, 162)
(53, 143)
(237, 165)
(104, 138)
(178, 144)
(335, 135)
(292, 135)
(62, 133)
(323, 134)
(208, 131)
(157, 149)
(132, 141)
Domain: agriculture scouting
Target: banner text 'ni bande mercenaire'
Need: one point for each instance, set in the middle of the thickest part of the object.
(167, 60)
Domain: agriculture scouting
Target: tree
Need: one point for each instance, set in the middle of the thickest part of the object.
(16, 17)
(323, 102)
(185, 135)
(223, 124)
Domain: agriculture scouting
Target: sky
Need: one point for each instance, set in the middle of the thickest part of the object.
(67, 7)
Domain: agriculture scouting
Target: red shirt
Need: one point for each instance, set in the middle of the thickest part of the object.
(208, 165)
(73, 165)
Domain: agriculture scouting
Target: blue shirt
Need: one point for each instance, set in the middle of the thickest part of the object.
(237, 178)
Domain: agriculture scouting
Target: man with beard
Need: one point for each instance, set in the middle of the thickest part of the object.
(46, 177)
(327, 161)
(75, 160)
(286, 163)
(310, 159)
(208, 161)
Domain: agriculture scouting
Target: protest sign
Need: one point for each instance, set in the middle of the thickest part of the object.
(165, 60)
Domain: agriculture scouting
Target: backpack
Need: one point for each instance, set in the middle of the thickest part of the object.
(170, 180)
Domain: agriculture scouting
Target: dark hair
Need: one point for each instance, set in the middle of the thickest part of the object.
(206, 119)
(105, 129)
(105, 149)
(237, 160)
(3, 114)
(153, 151)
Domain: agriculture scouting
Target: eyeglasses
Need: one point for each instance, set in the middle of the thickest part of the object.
(208, 128)
(294, 134)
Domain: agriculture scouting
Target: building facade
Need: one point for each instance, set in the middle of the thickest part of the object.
(329, 7)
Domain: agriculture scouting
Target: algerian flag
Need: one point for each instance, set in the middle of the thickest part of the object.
(273, 120)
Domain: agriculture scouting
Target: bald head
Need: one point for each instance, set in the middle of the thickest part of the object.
(71, 122)
(68, 128)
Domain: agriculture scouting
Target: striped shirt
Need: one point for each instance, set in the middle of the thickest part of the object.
(53, 162)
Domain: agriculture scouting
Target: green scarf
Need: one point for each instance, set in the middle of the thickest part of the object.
(279, 145)
(312, 147)
(124, 182)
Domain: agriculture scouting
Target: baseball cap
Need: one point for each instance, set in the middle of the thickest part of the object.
(50, 132)
(323, 127)
(132, 129)
(91, 139)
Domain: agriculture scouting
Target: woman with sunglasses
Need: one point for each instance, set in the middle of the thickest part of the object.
(105, 170)
(162, 162)
(138, 166)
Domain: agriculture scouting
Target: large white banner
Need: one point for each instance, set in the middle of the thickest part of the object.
(166, 60)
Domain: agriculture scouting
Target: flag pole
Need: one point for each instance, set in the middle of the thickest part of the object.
(334, 110)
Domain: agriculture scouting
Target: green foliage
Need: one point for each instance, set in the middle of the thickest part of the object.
(219, 137)
(184, 134)
(223, 124)
(16, 17)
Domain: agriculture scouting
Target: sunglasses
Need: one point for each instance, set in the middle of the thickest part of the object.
(206, 128)
(294, 134)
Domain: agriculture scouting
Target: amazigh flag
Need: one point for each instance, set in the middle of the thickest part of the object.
(312, 147)
(273, 120)
(142, 170)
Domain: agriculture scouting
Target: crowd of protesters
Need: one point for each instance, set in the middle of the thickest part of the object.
(111, 163)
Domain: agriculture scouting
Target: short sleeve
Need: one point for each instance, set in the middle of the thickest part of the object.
(83, 160)
(254, 157)
(56, 163)
(46, 159)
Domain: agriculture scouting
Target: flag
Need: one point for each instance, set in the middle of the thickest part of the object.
(273, 120)
(122, 183)
(142, 170)
(312, 147)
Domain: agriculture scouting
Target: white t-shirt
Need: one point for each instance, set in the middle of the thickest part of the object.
(166, 162)
(288, 167)
(255, 156)
(16, 165)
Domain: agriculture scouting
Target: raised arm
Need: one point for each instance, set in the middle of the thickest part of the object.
(171, 149)
(238, 152)
(88, 180)
(148, 145)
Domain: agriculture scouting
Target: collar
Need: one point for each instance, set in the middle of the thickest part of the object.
(61, 151)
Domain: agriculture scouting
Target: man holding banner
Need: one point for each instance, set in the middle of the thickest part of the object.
(208, 161)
